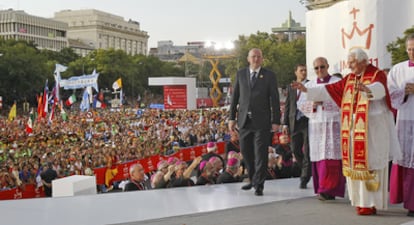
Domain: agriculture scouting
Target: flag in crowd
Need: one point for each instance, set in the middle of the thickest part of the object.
(12, 113)
(59, 68)
(117, 84)
(90, 94)
(63, 112)
(52, 113)
(71, 100)
(99, 101)
(84, 106)
(98, 104)
(39, 106)
(45, 101)
(29, 124)
(101, 96)
(121, 97)
(52, 97)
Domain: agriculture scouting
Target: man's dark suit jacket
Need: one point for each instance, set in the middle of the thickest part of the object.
(262, 100)
(289, 116)
(226, 177)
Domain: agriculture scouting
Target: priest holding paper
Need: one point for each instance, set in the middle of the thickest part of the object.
(324, 136)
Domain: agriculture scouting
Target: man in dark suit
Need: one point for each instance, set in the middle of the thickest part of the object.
(137, 180)
(255, 101)
(296, 124)
(230, 175)
(47, 176)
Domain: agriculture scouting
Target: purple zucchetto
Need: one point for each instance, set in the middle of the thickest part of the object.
(211, 146)
(232, 162)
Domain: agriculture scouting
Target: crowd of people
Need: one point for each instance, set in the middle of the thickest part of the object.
(82, 142)
(342, 133)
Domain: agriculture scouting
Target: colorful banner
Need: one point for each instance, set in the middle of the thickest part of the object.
(175, 97)
(30, 191)
(83, 81)
(150, 163)
(331, 32)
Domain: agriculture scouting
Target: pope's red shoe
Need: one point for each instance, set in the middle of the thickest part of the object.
(366, 211)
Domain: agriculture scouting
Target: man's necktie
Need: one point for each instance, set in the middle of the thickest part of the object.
(253, 78)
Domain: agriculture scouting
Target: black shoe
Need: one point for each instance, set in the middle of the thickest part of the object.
(259, 191)
(247, 187)
(410, 213)
(330, 197)
(325, 197)
(303, 185)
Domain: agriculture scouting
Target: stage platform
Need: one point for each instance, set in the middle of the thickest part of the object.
(283, 201)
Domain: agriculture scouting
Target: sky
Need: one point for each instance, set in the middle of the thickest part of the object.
(181, 21)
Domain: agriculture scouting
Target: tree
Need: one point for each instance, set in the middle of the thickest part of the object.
(64, 56)
(398, 49)
(280, 56)
(150, 66)
(23, 71)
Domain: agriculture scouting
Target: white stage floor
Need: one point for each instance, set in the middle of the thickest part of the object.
(123, 207)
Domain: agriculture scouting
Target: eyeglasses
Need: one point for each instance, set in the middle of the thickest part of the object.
(319, 67)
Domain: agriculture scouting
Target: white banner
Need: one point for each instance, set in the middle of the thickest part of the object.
(77, 82)
(371, 24)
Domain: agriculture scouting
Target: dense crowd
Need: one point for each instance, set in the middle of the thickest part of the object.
(104, 138)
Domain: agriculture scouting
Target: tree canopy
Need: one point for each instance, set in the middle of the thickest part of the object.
(24, 70)
(397, 48)
(280, 56)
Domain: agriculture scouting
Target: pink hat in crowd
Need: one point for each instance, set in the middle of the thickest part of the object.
(203, 164)
(172, 160)
(211, 146)
(232, 162)
(162, 164)
(213, 159)
(179, 162)
(231, 153)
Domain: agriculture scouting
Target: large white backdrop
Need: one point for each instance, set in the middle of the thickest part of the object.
(372, 24)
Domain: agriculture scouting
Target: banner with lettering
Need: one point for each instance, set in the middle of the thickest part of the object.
(175, 97)
(29, 191)
(149, 164)
(83, 81)
(370, 24)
